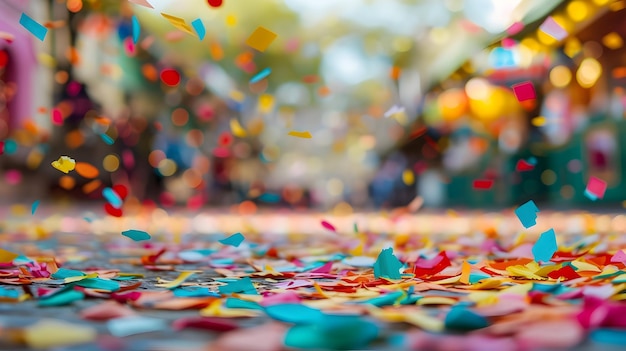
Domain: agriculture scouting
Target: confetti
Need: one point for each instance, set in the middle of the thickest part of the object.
(525, 166)
(52, 333)
(107, 139)
(136, 235)
(237, 129)
(136, 29)
(329, 226)
(144, 3)
(198, 26)
(304, 135)
(387, 265)
(553, 29)
(243, 286)
(7, 256)
(64, 164)
(261, 75)
(178, 281)
(34, 207)
(86, 170)
(179, 23)
(33, 27)
(112, 197)
(215, 3)
(233, 240)
(483, 184)
(527, 214)
(261, 38)
(595, 188)
(524, 91)
(545, 247)
(170, 77)
(132, 325)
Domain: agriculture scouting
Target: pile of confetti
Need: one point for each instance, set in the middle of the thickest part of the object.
(333, 291)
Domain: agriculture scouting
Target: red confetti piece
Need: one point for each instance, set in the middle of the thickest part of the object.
(524, 91)
(121, 191)
(566, 272)
(329, 226)
(170, 77)
(115, 212)
(57, 117)
(483, 184)
(524, 166)
(215, 3)
(425, 267)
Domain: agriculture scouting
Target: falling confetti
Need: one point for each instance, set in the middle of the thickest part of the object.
(64, 164)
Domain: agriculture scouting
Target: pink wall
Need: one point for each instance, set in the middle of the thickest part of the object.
(23, 63)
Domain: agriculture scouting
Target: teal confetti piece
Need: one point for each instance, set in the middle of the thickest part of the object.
(11, 294)
(112, 197)
(136, 29)
(269, 198)
(199, 28)
(545, 246)
(33, 208)
(261, 75)
(241, 286)
(99, 283)
(609, 336)
(387, 265)
(33, 27)
(107, 139)
(527, 214)
(333, 333)
(62, 298)
(136, 235)
(63, 273)
(462, 319)
(232, 302)
(233, 240)
(384, 300)
(195, 292)
(294, 313)
(10, 146)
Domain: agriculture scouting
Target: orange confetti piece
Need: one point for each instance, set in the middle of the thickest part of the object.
(91, 186)
(217, 53)
(86, 170)
(465, 272)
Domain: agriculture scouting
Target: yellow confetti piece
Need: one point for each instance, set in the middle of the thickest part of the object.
(266, 103)
(47, 334)
(179, 23)
(424, 321)
(176, 283)
(408, 177)
(237, 95)
(64, 164)
(231, 20)
(304, 135)
(80, 277)
(584, 266)
(487, 284)
(237, 129)
(465, 272)
(7, 256)
(46, 60)
(215, 310)
(523, 271)
(261, 38)
(451, 280)
(436, 300)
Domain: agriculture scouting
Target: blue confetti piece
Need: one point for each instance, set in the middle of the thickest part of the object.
(33, 208)
(261, 75)
(136, 29)
(527, 214)
(387, 265)
(195, 292)
(233, 240)
(11, 294)
(239, 303)
(136, 235)
(107, 139)
(545, 246)
(63, 273)
(111, 196)
(609, 336)
(199, 28)
(33, 27)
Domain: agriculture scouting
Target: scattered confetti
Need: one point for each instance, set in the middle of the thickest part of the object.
(553, 29)
(527, 214)
(261, 75)
(595, 188)
(483, 184)
(136, 235)
(387, 265)
(524, 91)
(170, 77)
(525, 166)
(34, 207)
(304, 135)
(260, 39)
(329, 226)
(545, 247)
(233, 240)
(33, 27)
(136, 29)
(198, 26)
(64, 164)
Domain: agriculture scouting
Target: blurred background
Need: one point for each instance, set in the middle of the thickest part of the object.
(408, 103)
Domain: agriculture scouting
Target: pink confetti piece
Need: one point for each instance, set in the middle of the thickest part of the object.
(620, 256)
(57, 117)
(329, 226)
(596, 188)
(553, 29)
(515, 28)
(524, 91)
(144, 3)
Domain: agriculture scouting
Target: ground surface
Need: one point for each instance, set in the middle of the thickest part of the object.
(509, 303)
